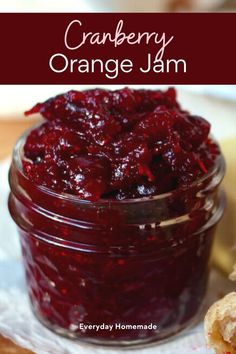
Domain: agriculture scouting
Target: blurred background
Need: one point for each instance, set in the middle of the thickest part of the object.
(116, 5)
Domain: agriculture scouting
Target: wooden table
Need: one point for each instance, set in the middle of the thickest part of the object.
(10, 130)
(9, 133)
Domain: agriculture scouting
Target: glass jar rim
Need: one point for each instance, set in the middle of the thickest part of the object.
(219, 165)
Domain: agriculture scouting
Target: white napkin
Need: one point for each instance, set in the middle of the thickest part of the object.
(18, 323)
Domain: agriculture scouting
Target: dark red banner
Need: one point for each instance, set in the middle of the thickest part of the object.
(141, 48)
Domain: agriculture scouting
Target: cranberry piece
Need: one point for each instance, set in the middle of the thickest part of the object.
(125, 100)
(88, 176)
(46, 174)
(156, 126)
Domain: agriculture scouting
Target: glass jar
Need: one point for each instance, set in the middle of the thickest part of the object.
(116, 272)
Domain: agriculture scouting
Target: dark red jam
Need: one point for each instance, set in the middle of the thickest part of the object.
(116, 198)
(117, 144)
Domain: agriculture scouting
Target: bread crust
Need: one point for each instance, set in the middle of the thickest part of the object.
(220, 325)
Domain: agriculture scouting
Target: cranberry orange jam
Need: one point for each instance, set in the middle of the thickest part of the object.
(116, 197)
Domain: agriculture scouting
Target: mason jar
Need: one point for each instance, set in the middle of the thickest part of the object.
(114, 272)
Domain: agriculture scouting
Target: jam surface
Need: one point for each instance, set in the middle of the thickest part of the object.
(117, 144)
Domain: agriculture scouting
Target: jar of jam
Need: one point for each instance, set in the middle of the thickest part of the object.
(115, 271)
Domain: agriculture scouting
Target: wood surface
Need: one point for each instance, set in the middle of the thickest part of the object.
(8, 347)
(10, 130)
